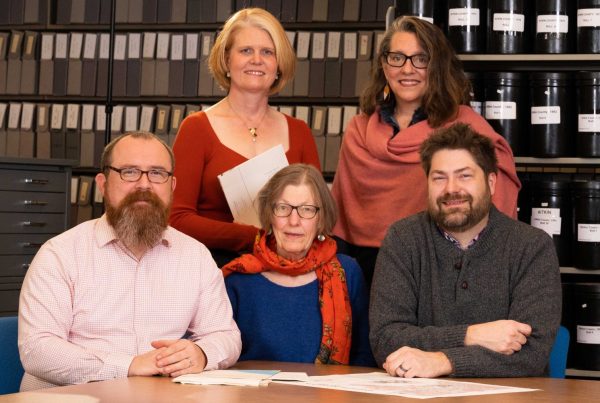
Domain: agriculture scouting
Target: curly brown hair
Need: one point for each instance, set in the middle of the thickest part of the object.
(447, 85)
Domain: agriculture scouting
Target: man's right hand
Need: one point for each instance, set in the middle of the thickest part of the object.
(501, 336)
(145, 364)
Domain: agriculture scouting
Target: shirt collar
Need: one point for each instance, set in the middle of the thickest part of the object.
(455, 241)
(386, 113)
(105, 233)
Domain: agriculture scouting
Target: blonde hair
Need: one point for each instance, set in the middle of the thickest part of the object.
(257, 18)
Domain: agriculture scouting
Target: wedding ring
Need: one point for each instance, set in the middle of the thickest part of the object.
(402, 368)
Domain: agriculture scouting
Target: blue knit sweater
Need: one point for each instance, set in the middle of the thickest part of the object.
(284, 323)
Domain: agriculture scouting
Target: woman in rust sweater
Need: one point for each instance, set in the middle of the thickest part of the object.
(252, 59)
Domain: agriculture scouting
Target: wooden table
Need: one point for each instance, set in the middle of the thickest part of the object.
(162, 389)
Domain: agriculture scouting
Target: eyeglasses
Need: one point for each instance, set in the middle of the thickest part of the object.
(134, 174)
(304, 211)
(397, 59)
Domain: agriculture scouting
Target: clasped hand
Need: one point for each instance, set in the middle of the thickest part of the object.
(502, 336)
(170, 357)
(411, 362)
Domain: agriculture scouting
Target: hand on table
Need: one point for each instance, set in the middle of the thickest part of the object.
(179, 357)
(411, 362)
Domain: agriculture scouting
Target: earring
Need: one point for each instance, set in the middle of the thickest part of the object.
(228, 74)
(386, 92)
(321, 237)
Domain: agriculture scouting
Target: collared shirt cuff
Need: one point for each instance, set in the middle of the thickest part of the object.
(116, 365)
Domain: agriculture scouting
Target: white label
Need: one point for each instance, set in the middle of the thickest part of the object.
(120, 46)
(334, 120)
(27, 116)
(589, 122)
(546, 219)
(302, 113)
(14, 115)
(87, 117)
(588, 17)
(100, 118)
(509, 22)
(162, 46)
(104, 46)
(131, 118)
(303, 45)
(588, 232)
(134, 46)
(47, 46)
(2, 114)
(177, 47)
(61, 46)
(191, 46)
(318, 45)
(350, 43)
(89, 49)
(56, 120)
(462, 17)
(477, 106)
(117, 119)
(545, 115)
(500, 110)
(554, 23)
(291, 36)
(588, 334)
(364, 45)
(333, 45)
(76, 45)
(41, 116)
(207, 42)
(349, 112)
(72, 116)
(146, 118)
(149, 45)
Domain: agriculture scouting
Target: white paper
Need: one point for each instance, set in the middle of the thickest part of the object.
(228, 377)
(381, 383)
(242, 183)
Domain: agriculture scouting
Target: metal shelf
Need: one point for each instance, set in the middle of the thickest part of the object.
(573, 270)
(557, 161)
(582, 373)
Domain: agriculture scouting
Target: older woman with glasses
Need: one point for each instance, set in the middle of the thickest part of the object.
(295, 299)
(417, 85)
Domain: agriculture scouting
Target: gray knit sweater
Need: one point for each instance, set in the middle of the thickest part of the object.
(426, 292)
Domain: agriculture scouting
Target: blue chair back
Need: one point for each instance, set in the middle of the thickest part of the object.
(558, 355)
(11, 370)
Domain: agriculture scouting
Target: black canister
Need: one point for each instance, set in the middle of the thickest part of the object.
(466, 25)
(477, 91)
(419, 8)
(506, 108)
(507, 30)
(586, 223)
(551, 115)
(568, 319)
(588, 26)
(586, 307)
(552, 30)
(588, 113)
(524, 200)
(552, 212)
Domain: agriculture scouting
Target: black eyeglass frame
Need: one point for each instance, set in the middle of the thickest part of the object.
(140, 172)
(292, 208)
(406, 58)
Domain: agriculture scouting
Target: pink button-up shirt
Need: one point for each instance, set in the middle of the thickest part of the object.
(88, 306)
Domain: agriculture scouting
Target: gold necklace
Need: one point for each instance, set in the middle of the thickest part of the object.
(251, 130)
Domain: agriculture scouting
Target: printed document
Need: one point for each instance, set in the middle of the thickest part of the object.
(242, 183)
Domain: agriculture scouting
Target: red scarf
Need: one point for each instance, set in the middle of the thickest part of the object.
(336, 313)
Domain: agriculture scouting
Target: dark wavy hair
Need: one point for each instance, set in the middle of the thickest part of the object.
(460, 136)
(447, 85)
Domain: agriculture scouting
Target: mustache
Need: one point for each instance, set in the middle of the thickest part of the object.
(141, 195)
(454, 196)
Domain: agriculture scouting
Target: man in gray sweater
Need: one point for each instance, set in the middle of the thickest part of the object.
(461, 289)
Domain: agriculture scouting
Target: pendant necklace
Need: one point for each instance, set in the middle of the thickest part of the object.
(251, 130)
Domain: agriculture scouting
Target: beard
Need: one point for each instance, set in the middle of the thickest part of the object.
(459, 219)
(138, 225)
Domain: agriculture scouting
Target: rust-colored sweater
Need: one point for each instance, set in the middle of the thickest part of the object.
(199, 205)
(380, 180)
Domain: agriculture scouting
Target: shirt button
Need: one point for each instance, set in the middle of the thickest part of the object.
(464, 285)
(458, 265)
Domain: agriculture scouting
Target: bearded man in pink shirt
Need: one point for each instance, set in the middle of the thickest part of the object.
(125, 294)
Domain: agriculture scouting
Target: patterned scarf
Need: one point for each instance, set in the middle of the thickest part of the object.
(334, 300)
